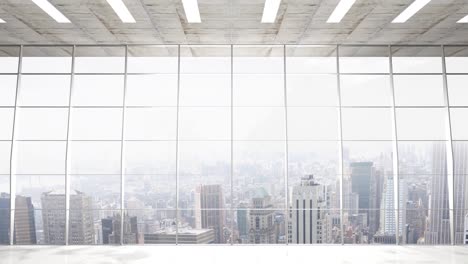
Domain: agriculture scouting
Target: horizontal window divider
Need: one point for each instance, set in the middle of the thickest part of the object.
(8, 73)
(364, 73)
(46, 73)
(417, 73)
(103, 73)
(43, 106)
(419, 107)
(40, 140)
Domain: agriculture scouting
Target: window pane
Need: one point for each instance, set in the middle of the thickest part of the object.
(212, 59)
(417, 59)
(313, 123)
(7, 89)
(100, 60)
(44, 90)
(9, 59)
(5, 150)
(47, 60)
(46, 192)
(459, 123)
(421, 124)
(458, 90)
(259, 59)
(311, 90)
(90, 157)
(95, 90)
(104, 191)
(259, 172)
(209, 227)
(367, 124)
(205, 172)
(205, 89)
(150, 178)
(151, 90)
(152, 59)
(6, 121)
(259, 90)
(264, 224)
(310, 59)
(151, 123)
(259, 123)
(358, 59)
(313, 168)
(419, 90)
(456, 59)
(102, 124)
(32, 159)
(205, 123)
(41, 124)
(365, 90)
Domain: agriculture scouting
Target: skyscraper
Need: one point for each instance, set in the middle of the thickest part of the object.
(262, 229)
(4, 218)
(81, 218)
(438, 220)
(25, 224)
(307, 212)
(208, 210)
(364, 182)
(460, 190)
(111, 230)
(388, 223)
(243, 222)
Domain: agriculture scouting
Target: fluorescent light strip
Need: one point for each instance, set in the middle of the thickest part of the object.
(2, 21)
(191, 11)
(463, 20)
(270, 10)
(122, 11)
(410, 11)
(340, 11)
(51, 11)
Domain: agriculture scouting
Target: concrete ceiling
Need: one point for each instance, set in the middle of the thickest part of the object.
(233, 22)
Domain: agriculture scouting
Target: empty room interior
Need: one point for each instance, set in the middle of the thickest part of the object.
(233, 131)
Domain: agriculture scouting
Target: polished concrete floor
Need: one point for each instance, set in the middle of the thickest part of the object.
(233, 254)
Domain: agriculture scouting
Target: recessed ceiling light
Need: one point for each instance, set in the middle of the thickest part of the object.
(410, 11)
(463, 20)
(2, 21)
(191, 11)
(122, 11)
(270, 10)
(51, 11)
(340, 11)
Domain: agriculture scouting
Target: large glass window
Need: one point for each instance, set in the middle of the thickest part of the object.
(233, 144)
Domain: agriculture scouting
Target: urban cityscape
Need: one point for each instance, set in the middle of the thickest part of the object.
(253, 211)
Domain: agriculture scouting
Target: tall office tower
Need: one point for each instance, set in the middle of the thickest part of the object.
(25, 224)
(111, 230)
(4, 218)
(243, 221)
(438, 220)
(107, 229)
(208, 210)
(80, 218)
(388, 223)
(415, 222)
(262, 229)
(460, 150)
(307, 211)
(364, 182)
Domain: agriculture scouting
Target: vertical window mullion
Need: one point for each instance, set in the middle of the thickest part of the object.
(12, 151)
